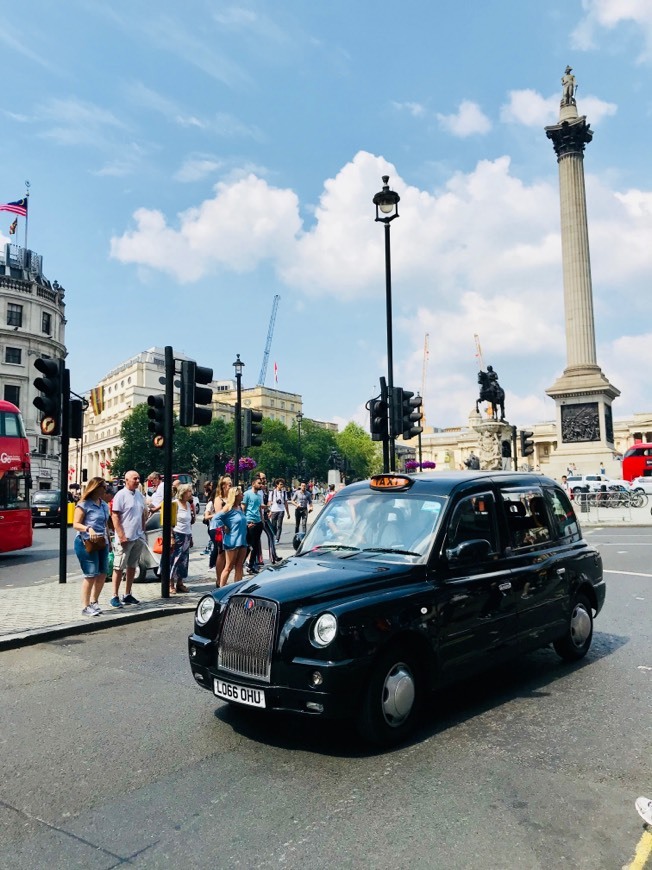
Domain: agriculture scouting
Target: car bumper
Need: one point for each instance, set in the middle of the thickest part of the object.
(336, 697)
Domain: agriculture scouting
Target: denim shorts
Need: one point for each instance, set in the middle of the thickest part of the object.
(92, 564)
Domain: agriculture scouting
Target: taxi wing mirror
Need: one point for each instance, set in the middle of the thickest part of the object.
(297, 539)
(477, 550)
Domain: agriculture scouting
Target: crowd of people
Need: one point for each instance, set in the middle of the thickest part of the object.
(111, 524)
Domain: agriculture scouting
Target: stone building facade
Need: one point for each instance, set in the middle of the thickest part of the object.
(32, 325)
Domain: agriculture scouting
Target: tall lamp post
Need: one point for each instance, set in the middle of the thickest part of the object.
(299, 419)
(238, 365)
(386, 202)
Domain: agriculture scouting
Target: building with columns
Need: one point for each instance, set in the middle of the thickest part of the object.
(32, 325)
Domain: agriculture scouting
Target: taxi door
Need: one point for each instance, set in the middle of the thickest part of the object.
(473, 590)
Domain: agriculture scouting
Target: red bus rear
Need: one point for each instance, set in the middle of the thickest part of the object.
(15, 481)
(637, 461)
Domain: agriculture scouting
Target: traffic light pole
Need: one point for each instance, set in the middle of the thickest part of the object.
(383, 398)
(168, 434)
(514, 448)
(63, 484)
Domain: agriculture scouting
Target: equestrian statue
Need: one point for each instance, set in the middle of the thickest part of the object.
(492, 392)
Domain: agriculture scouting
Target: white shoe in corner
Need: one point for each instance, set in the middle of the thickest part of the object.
(644, 808)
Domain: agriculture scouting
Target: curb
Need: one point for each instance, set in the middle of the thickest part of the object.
(41, 635)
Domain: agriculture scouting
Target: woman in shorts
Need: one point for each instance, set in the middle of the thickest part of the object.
(90, 521)
(215, 504)
(232, 521)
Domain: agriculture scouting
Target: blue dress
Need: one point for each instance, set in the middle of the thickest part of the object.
(234, 524)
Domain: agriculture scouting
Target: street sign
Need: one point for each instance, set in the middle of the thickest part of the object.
(48, 425)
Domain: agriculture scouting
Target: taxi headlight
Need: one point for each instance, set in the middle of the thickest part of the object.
(324, 630)
(205, 609)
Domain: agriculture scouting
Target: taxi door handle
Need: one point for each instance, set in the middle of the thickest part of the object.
(561, 572)
(504, 587)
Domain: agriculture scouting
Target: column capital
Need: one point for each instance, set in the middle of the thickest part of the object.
(570, 137)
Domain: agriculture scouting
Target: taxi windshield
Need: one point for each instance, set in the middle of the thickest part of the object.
(376, 524)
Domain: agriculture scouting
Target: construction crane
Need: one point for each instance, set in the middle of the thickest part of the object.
(426, 356)
(268, 343)
(478, 352)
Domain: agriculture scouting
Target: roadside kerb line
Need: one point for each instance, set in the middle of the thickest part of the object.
(643, 852)
(626, 573)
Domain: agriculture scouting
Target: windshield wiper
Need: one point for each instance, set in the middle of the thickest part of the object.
(331, 547)
(390, 550)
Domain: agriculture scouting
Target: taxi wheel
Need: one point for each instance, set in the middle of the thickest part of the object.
(576, 640)
(390, 704)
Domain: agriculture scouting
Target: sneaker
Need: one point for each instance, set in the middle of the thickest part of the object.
(182, 588)
(129, 599)
(115, 602)
(89, 611)
(644, 808)
(96, 607)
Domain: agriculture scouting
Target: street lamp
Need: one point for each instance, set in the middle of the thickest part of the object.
(238, 365)
(299, 419)
(386, 202)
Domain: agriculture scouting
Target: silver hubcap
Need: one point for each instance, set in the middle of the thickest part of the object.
(580, 625)
(398, 695)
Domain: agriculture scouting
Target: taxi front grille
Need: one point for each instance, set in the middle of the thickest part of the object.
(247, 637)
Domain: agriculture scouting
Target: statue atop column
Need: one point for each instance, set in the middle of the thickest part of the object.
(568, 88)
(492, 392)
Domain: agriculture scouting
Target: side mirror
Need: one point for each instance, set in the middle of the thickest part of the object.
(297, 539)
(470, 551)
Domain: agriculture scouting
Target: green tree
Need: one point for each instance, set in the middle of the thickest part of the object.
(364, 456)
(316, 446)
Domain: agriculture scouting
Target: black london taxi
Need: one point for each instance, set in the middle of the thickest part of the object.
(403, 584)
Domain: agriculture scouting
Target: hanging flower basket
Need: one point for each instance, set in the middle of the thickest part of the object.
(413, 465)
(246, 463)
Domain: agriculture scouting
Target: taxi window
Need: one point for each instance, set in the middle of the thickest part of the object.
(563, 515)
(527, 517)
(380, 522)
(474, 518)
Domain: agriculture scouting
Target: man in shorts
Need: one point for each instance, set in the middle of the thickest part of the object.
(129, 514)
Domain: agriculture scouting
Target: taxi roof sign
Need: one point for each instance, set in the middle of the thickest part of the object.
(390, 482)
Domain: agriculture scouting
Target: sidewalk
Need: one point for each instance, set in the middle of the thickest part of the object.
(40, 613)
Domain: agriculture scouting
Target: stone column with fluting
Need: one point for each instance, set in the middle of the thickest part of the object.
(582, 394)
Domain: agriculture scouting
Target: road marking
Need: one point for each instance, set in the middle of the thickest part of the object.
(643, 852)
(627, 573)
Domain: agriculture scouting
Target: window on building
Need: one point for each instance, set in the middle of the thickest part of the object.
(12, 394)
(42, 446)
(13, 355)
(46, 323)
(14, 314)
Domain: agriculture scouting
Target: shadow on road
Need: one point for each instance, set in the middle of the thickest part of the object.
(527, 677)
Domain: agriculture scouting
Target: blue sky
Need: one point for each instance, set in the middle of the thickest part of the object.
(189, 163)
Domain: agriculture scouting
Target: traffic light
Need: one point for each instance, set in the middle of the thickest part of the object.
(76, 418)
(252, 435)
(193, 395)
(156, 414)
(51, 388)
(378, 422)
(406, 413)
(527, 445)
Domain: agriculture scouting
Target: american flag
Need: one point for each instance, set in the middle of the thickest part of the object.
(18, 207)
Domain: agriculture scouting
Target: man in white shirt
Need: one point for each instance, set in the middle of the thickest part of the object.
(156, 498)
(129, 515)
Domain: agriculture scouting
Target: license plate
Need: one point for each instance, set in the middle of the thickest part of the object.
(240, 694)
(43, 513)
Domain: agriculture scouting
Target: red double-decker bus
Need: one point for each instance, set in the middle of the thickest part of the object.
(637, 461)
(15, 481)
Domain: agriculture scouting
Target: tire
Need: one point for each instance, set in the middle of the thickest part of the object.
(391, 702)
(576, 640)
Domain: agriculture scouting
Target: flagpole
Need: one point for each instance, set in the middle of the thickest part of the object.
(27, 186)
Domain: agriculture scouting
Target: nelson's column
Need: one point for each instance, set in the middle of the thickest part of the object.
(583, 395)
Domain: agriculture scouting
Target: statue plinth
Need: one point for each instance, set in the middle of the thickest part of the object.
(491, 434)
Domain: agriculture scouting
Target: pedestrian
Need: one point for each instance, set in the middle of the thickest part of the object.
(278, 507)
(182, 535)
(216, 504)
(129, 514)
(252, 504)
(156, 485)
(267, 527)
(330, 493)
(644, 809)
(233, 523)
(302, 502)
(90, 520)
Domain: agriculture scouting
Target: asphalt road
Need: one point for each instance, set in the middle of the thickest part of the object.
(111, 755)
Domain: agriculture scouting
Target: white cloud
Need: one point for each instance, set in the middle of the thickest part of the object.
(531, 109)
(608, 14)
(78, 122)
(467, 121)
(197, 167)
(417, 110)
